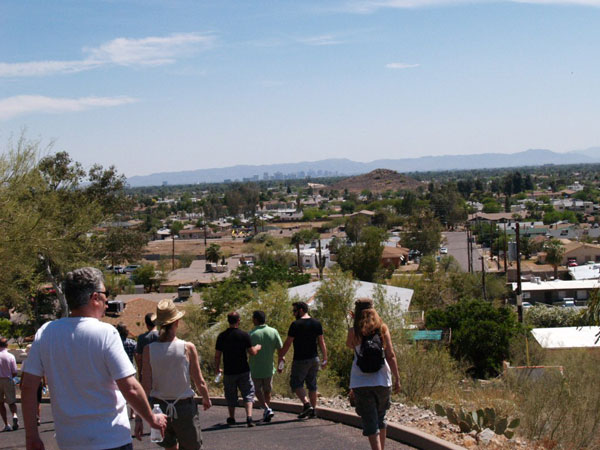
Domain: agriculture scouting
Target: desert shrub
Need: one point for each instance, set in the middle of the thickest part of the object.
(481, 333)
(425, 371)
(334, 300)
(563, 409)
(540, 316)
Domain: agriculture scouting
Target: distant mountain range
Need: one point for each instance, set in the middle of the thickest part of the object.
(341, 167)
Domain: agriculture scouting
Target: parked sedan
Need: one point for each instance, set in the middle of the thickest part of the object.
(443, 251)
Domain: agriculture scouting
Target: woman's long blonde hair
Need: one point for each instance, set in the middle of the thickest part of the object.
(366, 319)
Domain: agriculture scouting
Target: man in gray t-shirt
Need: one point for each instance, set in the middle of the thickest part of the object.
(144, 339)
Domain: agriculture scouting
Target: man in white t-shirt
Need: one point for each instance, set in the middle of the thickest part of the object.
(88, 372)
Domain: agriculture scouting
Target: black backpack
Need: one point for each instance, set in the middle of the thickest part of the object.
(371, 356)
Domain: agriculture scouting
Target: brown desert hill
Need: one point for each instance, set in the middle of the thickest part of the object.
(377, 181)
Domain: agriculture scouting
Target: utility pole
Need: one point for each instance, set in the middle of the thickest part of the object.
(505, 249)
(483, 277)
(469, 265)
(173, 251)
(519, 291)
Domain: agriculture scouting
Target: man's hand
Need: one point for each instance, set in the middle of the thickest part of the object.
(280, 365)
(396, 387)
(34, 444)
(206, 403)
(258, 347)
(139, 429)
(324, 363)
(159, 421)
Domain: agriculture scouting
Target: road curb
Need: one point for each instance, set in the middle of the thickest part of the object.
(406, 435)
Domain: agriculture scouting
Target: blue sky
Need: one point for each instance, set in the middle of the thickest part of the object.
(167, 85)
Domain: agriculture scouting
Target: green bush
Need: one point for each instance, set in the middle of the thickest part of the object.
(481, 333)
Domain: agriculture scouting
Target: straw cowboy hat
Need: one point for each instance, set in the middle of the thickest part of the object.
(167, 313)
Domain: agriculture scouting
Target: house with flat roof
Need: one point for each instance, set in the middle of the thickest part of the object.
(550, 292)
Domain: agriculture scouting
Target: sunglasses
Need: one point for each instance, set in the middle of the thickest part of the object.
(106, 293)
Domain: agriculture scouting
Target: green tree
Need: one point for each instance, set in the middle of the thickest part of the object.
(300, 238)
(423, 233)
(121, 244)
(213, 253)
(555, 251)
(481, 333)
(354, 226)
(144, 275)
(49, 208)
(364, 258)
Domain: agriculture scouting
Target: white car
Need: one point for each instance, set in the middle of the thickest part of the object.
(443, 251)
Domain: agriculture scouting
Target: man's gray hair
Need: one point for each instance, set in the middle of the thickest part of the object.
(80, 284)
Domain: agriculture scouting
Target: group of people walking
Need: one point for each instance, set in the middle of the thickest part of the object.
(92, 378)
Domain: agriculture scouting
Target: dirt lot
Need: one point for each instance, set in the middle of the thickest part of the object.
(193, 246)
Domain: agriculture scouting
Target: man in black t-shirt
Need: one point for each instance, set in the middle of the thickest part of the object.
(305, 333)
(233, 344)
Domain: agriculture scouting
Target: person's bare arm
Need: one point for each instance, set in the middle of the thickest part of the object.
(390, 357)
(283, 351)
(136, 397)
(196, 374)
(146, 374)
(252, 351)
(323, 347)
(218, 354)
(350, 339)
(29, 387)
(138, 363)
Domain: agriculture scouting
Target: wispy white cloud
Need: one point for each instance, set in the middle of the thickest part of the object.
(25, 104)
(368, 6)
(324, 39)
(399, 65)
(149, 51)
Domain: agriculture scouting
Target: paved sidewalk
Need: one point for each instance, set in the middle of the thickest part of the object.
(284, 432)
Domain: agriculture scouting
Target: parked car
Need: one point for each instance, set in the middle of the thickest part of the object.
(568, 303)
(118, 269)
(443, 251)
(131, 268)
(572, 264)
(527, 305)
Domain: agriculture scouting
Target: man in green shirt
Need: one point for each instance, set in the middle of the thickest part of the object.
(262, 367)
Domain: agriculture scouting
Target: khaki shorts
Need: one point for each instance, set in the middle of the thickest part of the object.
(7, 391)
(264, 385)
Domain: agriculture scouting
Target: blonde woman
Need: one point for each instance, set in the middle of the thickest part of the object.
(372, 385)
(168, 366)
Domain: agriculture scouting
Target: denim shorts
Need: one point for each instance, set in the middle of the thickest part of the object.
(304, 370)
(241, 381)
(372, 402)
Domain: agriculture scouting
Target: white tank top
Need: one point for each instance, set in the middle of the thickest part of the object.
(358, 378)
(170, 371)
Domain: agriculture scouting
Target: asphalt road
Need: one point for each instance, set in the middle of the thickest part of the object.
(456, 242)
(284, 432)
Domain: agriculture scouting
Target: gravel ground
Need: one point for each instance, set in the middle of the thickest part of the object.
(427, 421)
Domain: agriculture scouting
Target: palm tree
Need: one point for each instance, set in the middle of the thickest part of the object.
(302, 237)
(213, 253)
(555, 252)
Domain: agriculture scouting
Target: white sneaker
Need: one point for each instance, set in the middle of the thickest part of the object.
(268, 415)
(7, 428)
